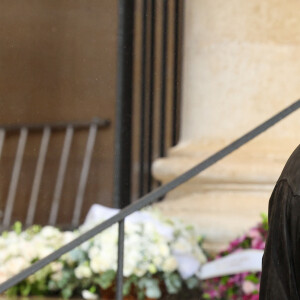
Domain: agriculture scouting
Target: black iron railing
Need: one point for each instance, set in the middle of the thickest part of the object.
(148, 103)
(145, 201)
(46, 130)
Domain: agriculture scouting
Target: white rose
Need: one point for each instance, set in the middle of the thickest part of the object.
(95, 264)
(3, 274)
(182, 246)
(50, 232)
(83, 271)
(139, 272)
(88, 295)
(44, 251)
(157, 260)
(68, 236)
(29, 251)
(200, 255)
(170, 264)
(57, 276)
(164, 249)
(17, 264)
(93, 252)
(56, 266)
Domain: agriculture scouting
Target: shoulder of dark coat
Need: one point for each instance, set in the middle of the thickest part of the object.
(291, 171)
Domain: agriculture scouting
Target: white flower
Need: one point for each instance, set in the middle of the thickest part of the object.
(152, 268)
(152, 244)
(83, 271)
(248, 287)
(164, 250)
(68, 236)
(16, 265)
(57, 276)
(182, 246)
(106, 260)
(3, 274)
(140, 272)
(199, 254)
(93, 252)
(28, 250)
(170, 265)
(88, 295)
(50, 232)
(95, 264)
(56, 266)
(44, 251)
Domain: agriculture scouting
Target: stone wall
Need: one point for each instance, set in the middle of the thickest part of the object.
(241, 66)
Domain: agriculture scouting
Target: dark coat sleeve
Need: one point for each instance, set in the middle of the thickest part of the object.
(281, 261)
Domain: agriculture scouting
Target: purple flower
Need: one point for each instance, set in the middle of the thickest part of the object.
(243, 286)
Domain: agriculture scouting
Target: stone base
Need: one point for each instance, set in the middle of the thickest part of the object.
(227, 199)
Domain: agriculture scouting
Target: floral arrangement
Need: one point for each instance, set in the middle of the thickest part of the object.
(158, 254)
(244, 286)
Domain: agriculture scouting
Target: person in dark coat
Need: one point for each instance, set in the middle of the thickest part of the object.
(280, 278)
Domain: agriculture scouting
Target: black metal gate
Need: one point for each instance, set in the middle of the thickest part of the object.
(148, 104)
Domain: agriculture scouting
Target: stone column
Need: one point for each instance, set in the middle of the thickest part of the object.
(241, 66)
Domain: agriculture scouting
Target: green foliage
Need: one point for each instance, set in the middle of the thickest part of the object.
(151, 287)
(67, 291)
(130, 283)
(173, 282)
(106, 279)
(17, 227)
(252, 277)
(192, 282)
(265, 221)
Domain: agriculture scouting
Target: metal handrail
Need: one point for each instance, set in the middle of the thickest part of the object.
(145, 201)
(55, 126)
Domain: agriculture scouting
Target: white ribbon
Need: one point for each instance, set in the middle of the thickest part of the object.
(239, 262)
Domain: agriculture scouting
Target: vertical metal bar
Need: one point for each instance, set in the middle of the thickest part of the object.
(2, 138)
(122, 184)
(15, 177)
(38, 176)
(84, 173)
(61, 175)
(143, 99)
(119, 291)
(151, 94)
(163, 79)
(176, 75)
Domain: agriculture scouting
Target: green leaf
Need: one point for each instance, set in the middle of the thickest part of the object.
(52, 285)
(4, 234)
(106, 279)
(140, 295)
(77, 255)
(17, 227)
(66, 277)
(206, 296)
(252, 277)
(67, 292)
(192, 282)
(224, 280)
(265, 221)
(173, 283)
(151, 287)
(126, 287)
(25, 289)
(153, 292)
(13, 291)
